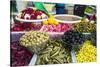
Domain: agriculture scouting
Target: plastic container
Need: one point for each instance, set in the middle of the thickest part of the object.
(26, 20)
(33, 21)
(60, 5)
(60, 11)
(21, 5)
(50, 8)
(36, 22)
(66, 18)
(69, 9)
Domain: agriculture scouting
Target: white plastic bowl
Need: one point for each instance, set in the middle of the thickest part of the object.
(24, 20)
(76, 18)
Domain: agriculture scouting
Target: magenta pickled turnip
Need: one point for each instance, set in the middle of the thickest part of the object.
(20, 56)
(32, 13)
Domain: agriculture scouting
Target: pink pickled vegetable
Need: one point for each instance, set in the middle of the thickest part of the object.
(57, 28)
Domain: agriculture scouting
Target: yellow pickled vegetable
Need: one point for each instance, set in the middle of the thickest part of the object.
(56, 22)
(50, 21)
(34, 40)
(87, 53)
(45, 22)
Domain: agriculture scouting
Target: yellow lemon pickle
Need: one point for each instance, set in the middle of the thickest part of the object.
(50, 20)
(45, 22)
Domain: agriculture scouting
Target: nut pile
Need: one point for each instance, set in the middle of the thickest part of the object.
(34, 40)
(53, 54)
(87, 52)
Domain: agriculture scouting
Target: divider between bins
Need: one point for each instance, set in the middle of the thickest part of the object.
(33, 60)
(73, 56)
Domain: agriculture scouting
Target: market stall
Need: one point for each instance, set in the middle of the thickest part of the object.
(41, 36)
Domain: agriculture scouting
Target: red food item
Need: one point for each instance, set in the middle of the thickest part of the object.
(27, 16)
(20, 56)
(28, 11)
(32, 17)
(18, 23)
(38, 12)
(57, 28)
(27, 26)
(30, 14)
(17, 27)
(37, 26)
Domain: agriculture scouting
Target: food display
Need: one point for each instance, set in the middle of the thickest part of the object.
(87, 53)
(54, 54)
(20, 26)
(41, 38)
(57, 28)
(91, 37)
(32, 13)
(72, 38)
(85, 26)
(20, 56)
(50, 20)
(34, 40)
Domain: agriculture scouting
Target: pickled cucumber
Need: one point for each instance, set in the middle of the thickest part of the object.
(53, 54)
